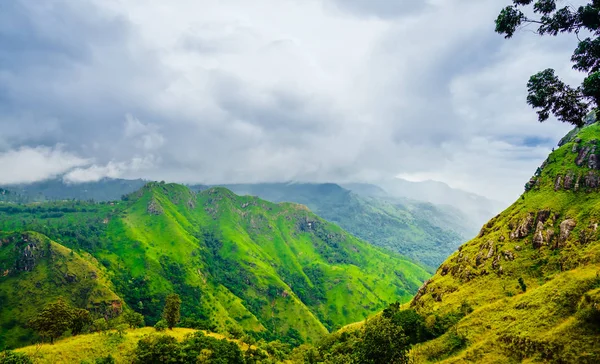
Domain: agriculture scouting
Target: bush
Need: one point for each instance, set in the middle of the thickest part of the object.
(10, 357)
(121, 329)
(100, 325)
(157, 349)
(134, 319)
(105, 360)
(161, 325)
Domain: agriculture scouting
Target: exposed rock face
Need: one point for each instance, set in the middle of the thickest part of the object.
(569, 181)
(544, 231)
(524, 228)
(558, 183)
(420, 292)
(565, 230)
(591, 180)
(583, 153)
(154, 208)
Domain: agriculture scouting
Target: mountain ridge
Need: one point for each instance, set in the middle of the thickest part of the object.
(272, 270)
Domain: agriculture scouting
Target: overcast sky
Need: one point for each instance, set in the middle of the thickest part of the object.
(272, 90)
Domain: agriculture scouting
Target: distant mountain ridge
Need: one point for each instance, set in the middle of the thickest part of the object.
(418, 230)
(424, 231)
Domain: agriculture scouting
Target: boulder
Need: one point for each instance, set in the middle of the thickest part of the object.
(565, 230)
(524, 228)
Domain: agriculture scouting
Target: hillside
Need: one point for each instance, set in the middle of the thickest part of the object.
(34, 271)
(421, 231)
(275, 270)
(90, 347)
(528, 285)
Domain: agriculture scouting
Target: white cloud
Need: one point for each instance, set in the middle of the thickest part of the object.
(275, 90)
(112, 169)
(34, 164)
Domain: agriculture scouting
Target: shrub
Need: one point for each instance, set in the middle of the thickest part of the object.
(134, 319)
(100, 325)
(105, 360)
(10, 357)
(161, 325)
(522, 284)
(157, 349)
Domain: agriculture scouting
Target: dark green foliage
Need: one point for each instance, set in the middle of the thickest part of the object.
(134, 319)
(81, 319)
(99, 325)
(256, 356)
(106, 360)
(161, 325)
(158, 349)
(10, 357)
(522, 284)
(171, 312)
(221, 351)
(53, 320)
(546, 92)
(383, 342)
(197, 348)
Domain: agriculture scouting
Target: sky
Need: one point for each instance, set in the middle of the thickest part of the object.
(234, 91)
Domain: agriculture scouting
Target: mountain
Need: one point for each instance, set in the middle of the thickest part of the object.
(273, 270)
(477, 208)
(421, 231)
(106, 189)
(527, 288)
(35, 270)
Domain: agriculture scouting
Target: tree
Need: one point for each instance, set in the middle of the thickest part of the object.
(80, 319)
(383, 342)
(134, 319)
(546, 91)
(54, 319)
(171, 312)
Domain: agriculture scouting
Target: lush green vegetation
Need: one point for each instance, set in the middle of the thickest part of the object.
(532, 275)
(240, 265)
(421, 231)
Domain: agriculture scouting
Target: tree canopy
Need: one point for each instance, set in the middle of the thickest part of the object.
(171, 313)
(546, 92)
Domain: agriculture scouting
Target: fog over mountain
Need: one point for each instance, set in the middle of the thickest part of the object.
(269, 91)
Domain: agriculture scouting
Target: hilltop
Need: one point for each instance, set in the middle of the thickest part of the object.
(238, 263)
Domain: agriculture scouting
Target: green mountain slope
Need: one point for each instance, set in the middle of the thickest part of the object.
(276, 270)
(532, 275)
(421, 231)
(34, 271)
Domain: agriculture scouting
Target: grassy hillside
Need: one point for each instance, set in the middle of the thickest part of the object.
(421, 231)
(532, 276)
(275, 270)
(34, 271)
(88, 348)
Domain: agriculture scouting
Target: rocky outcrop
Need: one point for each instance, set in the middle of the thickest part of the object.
(523, 228)
(544, 231)
(565, 231)
(154, 208)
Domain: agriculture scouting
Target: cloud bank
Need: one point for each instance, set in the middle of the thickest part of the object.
(273, 90)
